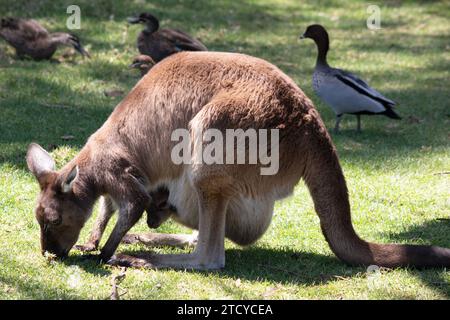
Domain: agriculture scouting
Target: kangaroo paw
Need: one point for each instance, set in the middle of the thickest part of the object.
(88, 247)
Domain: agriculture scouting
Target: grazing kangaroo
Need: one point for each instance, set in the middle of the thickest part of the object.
(158, 211)
(130, 156)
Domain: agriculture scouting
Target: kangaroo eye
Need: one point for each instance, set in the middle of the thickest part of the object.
(55, 222)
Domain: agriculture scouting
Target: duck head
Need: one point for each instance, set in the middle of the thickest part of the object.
(150, 21)
(143, 63)
(318, 33)
(74, 41)
(69, 40)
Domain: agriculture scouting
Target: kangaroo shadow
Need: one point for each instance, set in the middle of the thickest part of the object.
(88, 263)
(287, 266)
(281, 265)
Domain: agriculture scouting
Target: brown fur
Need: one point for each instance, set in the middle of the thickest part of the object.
(130, 155)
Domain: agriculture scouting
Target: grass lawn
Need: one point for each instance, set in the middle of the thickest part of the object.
(395, 170)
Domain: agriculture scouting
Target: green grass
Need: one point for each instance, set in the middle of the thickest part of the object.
(393, 169)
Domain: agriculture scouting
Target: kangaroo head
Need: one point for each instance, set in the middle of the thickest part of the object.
(62, 206)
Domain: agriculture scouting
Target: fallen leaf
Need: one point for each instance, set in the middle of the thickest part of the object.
(414, 120)
(67, 137)
(270, 292)
(115, 281)
(50, 257)
(392, 125)
(114, 93)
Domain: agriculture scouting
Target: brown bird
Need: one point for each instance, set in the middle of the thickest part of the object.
(160, 44)
(31, 39)
(142, 62)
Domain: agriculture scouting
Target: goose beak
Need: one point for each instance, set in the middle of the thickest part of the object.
(133, 20)
(302, 36)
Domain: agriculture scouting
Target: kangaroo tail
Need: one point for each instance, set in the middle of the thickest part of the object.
(325, 180)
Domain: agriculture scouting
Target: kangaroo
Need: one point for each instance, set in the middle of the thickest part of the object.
(130, 156)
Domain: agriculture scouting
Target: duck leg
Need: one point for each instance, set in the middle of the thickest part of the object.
(358, 125)
(338, 120)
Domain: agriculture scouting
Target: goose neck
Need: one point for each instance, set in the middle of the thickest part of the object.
(322, 50)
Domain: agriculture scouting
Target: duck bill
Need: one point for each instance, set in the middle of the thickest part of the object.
(81, 50)
(134, 65)
(133, 20)
(302, 36)
(78, 47)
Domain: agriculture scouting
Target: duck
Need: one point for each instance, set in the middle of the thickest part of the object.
(31, 39)
(161, 43)
(343, 91)
(143, 63)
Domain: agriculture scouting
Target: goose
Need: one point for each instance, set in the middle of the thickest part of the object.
(29, 38)
(142, 62)
(343, 91)
(161, 43)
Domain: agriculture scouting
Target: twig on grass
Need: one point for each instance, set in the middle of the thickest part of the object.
(55, 106)
(441, 173)
(115, 281)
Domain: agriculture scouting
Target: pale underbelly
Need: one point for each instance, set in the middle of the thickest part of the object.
(246, 221)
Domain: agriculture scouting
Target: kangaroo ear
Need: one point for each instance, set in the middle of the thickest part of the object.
(67, 185)
(39, 162)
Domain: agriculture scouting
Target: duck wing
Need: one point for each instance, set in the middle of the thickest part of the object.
(361, 86)
(182, 40)
(15, 29)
